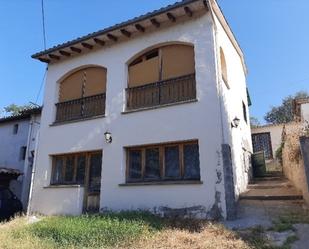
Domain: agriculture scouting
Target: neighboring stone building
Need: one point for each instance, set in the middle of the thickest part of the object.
(148, 114)
(18, 136)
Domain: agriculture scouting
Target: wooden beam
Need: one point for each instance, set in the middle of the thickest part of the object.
(125, 32)
(65, 53)
(171, 16)
(53, 56)
(87, 45)
(44, 60)
(155, 22)
(77, 50)
(140, 28)
(99, 41)
(112, 37)
(188, 11)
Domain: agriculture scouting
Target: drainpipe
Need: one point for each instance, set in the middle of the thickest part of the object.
(26, 164)
(33, 172)
(217, 69)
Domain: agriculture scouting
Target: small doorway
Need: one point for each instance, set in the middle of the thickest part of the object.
(262, 142)
(93, 182)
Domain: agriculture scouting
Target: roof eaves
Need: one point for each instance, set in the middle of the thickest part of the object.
(24, 115)
(115, 27)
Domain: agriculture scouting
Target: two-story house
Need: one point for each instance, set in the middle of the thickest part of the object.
(150, 114)
(18, 141)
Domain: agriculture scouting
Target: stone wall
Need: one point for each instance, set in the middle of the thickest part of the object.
(293, 163)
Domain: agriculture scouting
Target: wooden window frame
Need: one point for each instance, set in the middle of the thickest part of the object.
(162, 166)
(63, 170)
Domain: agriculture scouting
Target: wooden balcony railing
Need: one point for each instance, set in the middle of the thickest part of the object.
(163, 92)
(81, 108)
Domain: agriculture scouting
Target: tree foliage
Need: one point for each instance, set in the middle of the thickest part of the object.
(284, 112)
(14, 110)
(254, 122)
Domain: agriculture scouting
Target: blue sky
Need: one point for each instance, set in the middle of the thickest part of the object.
(273, 34)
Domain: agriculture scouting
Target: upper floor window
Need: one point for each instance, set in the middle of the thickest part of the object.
(15, 129)
(82, 94)
(162, 76)
(224, 68)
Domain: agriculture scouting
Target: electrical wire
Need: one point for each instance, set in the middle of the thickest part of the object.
(41, 86)
(43, 23)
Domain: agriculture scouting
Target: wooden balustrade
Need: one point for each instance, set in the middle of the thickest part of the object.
(81, 108)
(163, 92)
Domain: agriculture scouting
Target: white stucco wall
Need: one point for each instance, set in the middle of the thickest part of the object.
(198, 120)
(238, 138)
(11, 145)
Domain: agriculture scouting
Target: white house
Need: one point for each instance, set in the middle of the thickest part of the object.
(148, 114)
(18, 139)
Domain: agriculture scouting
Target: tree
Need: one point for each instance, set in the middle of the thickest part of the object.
(14, 110)
(284, 112)
(254, 122)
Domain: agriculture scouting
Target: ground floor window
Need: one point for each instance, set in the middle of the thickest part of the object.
(172, 161)
(72, 168)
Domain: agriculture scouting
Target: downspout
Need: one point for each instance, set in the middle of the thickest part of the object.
(33, 174)
(217, 70)
(26, 164)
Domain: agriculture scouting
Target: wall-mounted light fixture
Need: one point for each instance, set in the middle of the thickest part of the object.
(235, 123)
(108, 137)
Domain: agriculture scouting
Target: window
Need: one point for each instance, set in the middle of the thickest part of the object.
(15, 128)
(244, 109)
(223, 68)
(175, 161)
(71, 169)
(22, 153)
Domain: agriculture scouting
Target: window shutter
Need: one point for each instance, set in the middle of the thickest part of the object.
(95, 78)
(177, 60)
(71, 87)
(145, 72)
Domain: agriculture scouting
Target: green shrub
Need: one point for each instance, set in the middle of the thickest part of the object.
(279, 152)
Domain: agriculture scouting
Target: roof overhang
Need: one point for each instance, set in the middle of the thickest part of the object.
(13, 173)
(25, 114)
(182, 10)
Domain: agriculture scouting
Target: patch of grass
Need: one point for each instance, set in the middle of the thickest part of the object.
(286, 222)
(91, 231)
(289, 241)
(136, 230)
(255, 238)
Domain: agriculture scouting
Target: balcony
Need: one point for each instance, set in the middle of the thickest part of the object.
(164, 92)
(82, 108)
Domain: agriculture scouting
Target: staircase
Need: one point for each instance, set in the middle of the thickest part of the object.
(271, 187)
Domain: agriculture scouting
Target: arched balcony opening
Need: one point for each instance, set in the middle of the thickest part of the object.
(82, 94)
(161, 76)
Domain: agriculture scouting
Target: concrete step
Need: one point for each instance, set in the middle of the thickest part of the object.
(271, 197)
(271, 188)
